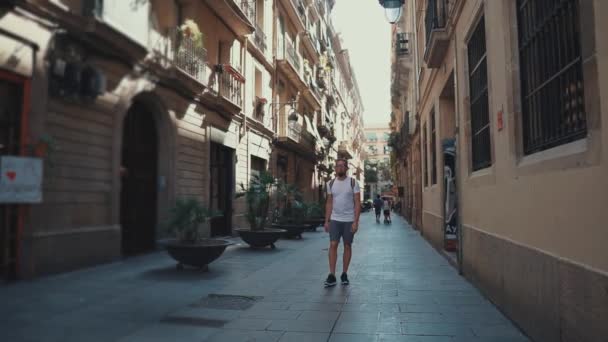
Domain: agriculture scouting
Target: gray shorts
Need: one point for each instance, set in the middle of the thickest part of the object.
(339, 229)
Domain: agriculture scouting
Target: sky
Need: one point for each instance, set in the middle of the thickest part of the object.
(367, 36)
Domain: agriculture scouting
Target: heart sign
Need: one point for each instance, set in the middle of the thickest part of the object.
(11, 175)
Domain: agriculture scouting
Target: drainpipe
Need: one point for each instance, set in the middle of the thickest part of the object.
(457, 168)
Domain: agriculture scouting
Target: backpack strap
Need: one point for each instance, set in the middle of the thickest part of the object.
(352, 184)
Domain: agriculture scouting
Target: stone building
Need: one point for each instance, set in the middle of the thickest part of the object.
(143, 102)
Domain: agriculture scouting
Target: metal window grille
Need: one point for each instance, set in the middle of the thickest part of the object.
(425, 156)
(478, 84)
(433, 149)
(553, 108)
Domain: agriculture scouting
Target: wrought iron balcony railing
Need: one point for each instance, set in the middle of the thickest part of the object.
(436, 16)
(259, 38)
(231, 85)
(291, 55)
(248, 7)
(188, 54)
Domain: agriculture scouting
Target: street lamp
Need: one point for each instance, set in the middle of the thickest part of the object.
(392, 9)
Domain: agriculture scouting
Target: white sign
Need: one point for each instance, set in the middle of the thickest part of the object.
(20, 179)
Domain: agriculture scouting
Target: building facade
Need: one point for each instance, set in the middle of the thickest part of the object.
(513, 126)
(145, 102)
(378, 150)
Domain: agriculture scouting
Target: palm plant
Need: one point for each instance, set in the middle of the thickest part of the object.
(258, 197)
(186, 219)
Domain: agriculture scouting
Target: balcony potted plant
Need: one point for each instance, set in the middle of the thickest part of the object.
(191, 245)
(260, 103)
(258, 199)
(190, 50)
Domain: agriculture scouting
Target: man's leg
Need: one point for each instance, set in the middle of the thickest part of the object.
(348, 253)
(333, 256)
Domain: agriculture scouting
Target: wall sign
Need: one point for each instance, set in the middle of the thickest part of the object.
(20, 179)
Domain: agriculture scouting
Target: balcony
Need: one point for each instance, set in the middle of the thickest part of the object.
(311, 43)
(231, 89)
(294, 137)
(297, 14)
(320, 6)
(288, 62)
(437, 31)
(314, 9)
(345, 150)
(311, 92)
(239, 15)
(259, 39)
(181, 62)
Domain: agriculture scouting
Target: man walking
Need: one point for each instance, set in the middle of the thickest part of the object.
(342, 212)
(378, 203)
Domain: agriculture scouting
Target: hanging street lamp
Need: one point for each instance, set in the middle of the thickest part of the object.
(392, 9)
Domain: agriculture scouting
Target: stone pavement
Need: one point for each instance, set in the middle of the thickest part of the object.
(401, 290)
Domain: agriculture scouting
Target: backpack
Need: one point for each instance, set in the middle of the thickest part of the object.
(352, 184)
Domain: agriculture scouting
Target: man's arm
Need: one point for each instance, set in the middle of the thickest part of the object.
(329, 205)
(357, 208)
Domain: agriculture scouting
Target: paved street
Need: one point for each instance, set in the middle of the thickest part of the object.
(401, 290)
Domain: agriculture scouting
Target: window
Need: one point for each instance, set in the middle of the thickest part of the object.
(425, 170)
(258, 165)
(478, 88)
(433, 149)
(259, 103)
(551, 70)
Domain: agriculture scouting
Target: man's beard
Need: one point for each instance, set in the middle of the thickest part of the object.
(341, 174)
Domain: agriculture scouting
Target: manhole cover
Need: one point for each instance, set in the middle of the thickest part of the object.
(205, 322)
(227, 302)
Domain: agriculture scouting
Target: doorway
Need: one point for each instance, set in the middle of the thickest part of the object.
(448, 142)
(11, 98)
(221, 162)
(138, 193)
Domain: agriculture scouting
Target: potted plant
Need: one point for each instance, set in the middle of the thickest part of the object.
(293, 210)
(192, 42)
(315, 216)
(258, 198)
(191, 245)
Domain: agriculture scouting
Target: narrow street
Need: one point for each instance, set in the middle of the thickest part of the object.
(401, 290)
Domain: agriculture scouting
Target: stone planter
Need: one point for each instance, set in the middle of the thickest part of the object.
(260, 238)
(292, 230)
(199, 254)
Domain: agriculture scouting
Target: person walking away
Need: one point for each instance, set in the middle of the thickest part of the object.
(342, 212)
(378, 203)
(387, 211)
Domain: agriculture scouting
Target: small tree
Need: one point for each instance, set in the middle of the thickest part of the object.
(258, 196)
(186, 219)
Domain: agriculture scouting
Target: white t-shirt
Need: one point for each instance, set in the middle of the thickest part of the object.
(386, 205)
(343, 199)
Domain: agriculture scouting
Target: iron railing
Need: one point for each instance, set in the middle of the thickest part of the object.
(436, 16)
(292, 56)
(300, 9)
(248, 7)
(259, 38)
(231, 86)
(403, 43)
(478, 85)
(551, 72)
(188, 54)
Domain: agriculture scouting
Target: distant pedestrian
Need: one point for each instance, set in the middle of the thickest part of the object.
(387, 211)
(342, 212)
(378, 203)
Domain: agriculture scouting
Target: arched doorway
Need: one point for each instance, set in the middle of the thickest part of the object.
(139, 170)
